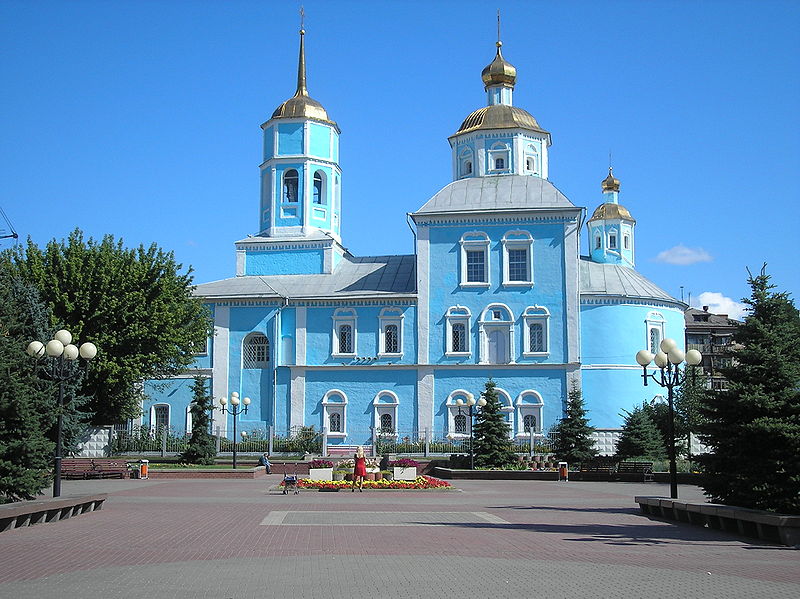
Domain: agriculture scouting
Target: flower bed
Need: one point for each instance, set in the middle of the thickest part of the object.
(421, 482)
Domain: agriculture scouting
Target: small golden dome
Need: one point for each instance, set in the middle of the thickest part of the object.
(611, 211)
(610, 183)
(499, 116)
(499, 71)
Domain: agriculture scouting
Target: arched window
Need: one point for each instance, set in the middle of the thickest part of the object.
(255, 351)
(334, 406)
(457, 334)
(495, 327)
(499, 157)
(344, 332)
(319, 188)
(390, 322)
(468, 167)
(290, 183)
(499, 164)
(465, 162)
(654, 328)
(160, 417)
(384, 407)
(536, 320)
(529, 413)
(531, 159)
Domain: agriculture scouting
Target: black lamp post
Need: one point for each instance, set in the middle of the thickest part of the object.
(235, 409)
(58, 360)
(668, 361)
(472, 411)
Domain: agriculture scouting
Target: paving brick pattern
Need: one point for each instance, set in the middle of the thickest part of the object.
(207, 538)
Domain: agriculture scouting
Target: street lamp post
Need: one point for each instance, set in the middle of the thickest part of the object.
(58, 357)
(237, 407)
(471, 404)
(668, 361)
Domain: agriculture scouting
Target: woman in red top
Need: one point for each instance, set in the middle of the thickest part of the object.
(359, 470)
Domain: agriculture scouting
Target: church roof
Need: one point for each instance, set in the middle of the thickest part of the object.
(499, 116)
(504, 192)
(611, 211)
(367, 276)
(618, 281)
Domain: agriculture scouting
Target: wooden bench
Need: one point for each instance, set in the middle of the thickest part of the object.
(93, 468)
(643, 468)
(605, 465)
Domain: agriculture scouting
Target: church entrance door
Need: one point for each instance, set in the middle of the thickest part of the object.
(497, 346)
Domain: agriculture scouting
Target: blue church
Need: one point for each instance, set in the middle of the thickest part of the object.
(496, 288)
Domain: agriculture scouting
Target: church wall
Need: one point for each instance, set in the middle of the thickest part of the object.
(284, 262)
(269, 143)
(319, 140)
(175, 393)
(290, 139)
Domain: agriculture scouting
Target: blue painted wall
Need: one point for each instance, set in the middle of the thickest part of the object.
(319, 140)
(290, 139)
(280, 262)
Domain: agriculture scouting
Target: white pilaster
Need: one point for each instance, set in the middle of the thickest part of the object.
(298, 397)
(423, 294)
(220, 367)
(425, 403)
(301, 315)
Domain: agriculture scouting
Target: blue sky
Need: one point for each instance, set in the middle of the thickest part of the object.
(141, 119)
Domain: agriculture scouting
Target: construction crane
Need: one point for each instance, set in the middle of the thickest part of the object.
(8, 231)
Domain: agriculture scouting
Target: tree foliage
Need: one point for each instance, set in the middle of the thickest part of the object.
(640, 436)
(134, 304)
(753, 427)
(573, 440)
(491, 433)
(27, 409)
(201, 448)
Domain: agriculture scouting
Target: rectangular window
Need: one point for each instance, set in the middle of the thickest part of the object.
(518, 265)
(476, 266)
(612, 242)
(459, 337)
(392, 341)
(536, 337)
(345, 339)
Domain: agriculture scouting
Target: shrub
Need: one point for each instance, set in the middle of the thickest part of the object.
(320, 464)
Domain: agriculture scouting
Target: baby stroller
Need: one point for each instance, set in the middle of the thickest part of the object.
(290, 480)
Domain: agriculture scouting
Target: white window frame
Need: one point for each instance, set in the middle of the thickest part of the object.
(475, 241)
(330, 406)
(517, 240)
(452, 412)
(379, 408)
(613, 234)
(488, 324)
(531, 315)
(525, 407)
(284, 199)
(654, 321)
(160, 404)
(248, 340)
(344, 316)
(499, 150)
(188, 427)
(458, 315)
(387, 317)
(465, 158)
(322, 190)
(626, 241)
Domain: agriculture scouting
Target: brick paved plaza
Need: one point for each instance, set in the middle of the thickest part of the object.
(233, 539)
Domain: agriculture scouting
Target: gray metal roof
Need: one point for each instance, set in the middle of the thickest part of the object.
(618, 281)
(367, 276)
(504, 192)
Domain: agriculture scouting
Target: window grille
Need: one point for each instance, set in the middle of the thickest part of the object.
(345, 339)
(499, 164)
(459, 337)
(460, 424)
(335, 421)
(654, 341)
(536, 332)
(391, 339)
(161, 414)
(529, 422)
(256, 352)
(386, 423)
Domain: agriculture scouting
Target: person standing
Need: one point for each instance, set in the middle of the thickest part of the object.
(359, 469)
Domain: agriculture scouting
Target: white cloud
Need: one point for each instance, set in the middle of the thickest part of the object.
(683, 256)
(719, 304)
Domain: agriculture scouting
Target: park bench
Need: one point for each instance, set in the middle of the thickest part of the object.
(110, 468)
(72, 468)
(643, 468)
(93, 468)
(601, 464)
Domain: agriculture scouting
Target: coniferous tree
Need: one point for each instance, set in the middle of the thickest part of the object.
(640, 437)
(573, 440)
(753, 427)
(201, 448)
(492, 432)
(27, 410)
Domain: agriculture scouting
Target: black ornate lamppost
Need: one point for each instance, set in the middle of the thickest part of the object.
(58, 361)
(472, 412)
(669, 375)
(237, 407)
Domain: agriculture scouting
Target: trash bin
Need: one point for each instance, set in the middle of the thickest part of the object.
(563, 471)
(143, 466)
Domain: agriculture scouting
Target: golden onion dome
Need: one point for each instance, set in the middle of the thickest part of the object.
(610, 183)
(499, 71)
(611, 211)
(301, 105)
(499, 116)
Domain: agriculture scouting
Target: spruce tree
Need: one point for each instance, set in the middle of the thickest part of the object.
(640, 436)
(201, 448)
(27, 410)
(573, 440)
(753, 427)
(492, 432)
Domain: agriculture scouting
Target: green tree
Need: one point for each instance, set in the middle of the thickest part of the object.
(201, 448)
(753, 427)
(491, 433)
(27, 410)
(134, 304)
(573, 440)
(640, 436)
